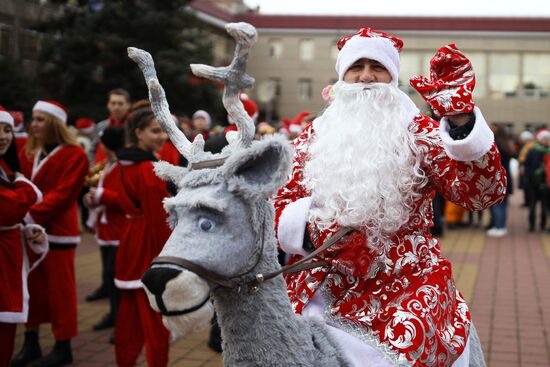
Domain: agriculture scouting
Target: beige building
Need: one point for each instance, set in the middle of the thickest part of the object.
(511, 57)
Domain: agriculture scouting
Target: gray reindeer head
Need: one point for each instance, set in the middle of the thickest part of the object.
(221, 218)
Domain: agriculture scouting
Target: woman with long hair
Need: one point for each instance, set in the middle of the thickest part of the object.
(142, 238)
(57, 165)
(17, 196)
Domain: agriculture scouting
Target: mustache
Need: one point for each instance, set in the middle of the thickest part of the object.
(345, 88)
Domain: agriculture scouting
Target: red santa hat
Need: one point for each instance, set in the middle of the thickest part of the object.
(369, 44)
(53, 108)
(301, 117)
(249, 106)
(5, 117)
(85, 125)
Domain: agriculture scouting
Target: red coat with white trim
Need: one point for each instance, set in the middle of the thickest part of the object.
(146, 229)
(60, 176)
(404, 300)
(111, 216)
(15, 200)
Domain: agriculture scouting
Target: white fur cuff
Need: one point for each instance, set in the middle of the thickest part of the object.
(98, 194)
(292, 224)
(474, 146)
(39, 196)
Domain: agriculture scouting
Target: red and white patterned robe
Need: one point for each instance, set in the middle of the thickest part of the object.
(403, 302)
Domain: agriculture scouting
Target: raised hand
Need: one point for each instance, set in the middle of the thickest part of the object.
(451, 84)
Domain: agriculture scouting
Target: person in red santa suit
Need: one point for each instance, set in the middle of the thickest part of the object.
(107, 218)
(141, 239)
(18, 245)
(57, 165)
(368, 168)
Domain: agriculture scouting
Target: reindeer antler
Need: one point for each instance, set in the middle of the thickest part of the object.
(160, 107)
(235, 79)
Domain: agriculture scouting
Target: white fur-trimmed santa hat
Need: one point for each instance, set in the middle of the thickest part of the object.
(369, 44)
(6, 117)
(53, 108)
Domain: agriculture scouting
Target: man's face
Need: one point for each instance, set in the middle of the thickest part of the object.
(367, 71)
(118, 106)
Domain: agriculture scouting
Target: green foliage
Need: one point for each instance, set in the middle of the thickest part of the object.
(84, 55)
(17, 91)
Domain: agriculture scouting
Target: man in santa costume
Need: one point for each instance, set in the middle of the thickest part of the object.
(368, 168)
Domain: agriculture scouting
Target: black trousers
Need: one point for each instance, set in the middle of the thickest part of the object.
(108, 259)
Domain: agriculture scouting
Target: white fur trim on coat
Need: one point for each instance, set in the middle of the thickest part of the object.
(98, 194)
(128, 284)
(69, 240)
(474, 146)
(39, 195)
(292, 224)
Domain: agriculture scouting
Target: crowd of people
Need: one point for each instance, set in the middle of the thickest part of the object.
(58, 180)
(526, 160)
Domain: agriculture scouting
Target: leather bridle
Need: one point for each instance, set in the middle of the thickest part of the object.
(237, 281)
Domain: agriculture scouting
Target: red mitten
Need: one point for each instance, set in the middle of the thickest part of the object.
(452, 80)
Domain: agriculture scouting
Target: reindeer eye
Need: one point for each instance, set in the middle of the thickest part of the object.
(206, 224)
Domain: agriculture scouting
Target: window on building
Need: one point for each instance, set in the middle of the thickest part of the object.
(305, 89)
(504, 74)
(275, 48)
(536, 75)
(410, 65)
(479, 63)
(307, 49)
(277, 83)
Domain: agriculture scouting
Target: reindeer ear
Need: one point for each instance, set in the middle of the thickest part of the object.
(169, 172)
(258, 171)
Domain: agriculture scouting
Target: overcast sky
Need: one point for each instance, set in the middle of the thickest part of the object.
(496, 8)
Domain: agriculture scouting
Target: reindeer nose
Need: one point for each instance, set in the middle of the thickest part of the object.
(155, 279)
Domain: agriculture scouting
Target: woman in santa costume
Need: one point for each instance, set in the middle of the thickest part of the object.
(57, 165)
(107, 217)
(142, 238)
(17, 196)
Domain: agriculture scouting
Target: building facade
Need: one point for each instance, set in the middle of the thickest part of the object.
(295, 56)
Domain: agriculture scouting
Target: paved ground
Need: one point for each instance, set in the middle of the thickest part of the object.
(504, 280)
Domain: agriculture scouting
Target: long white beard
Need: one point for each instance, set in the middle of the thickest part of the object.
(364, 167)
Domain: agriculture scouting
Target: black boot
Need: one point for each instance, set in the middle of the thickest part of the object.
(60, 355)
(29, 352)
(99, 293)
(106, 322)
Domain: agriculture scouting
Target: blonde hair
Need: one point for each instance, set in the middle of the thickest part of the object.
(54, 132)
